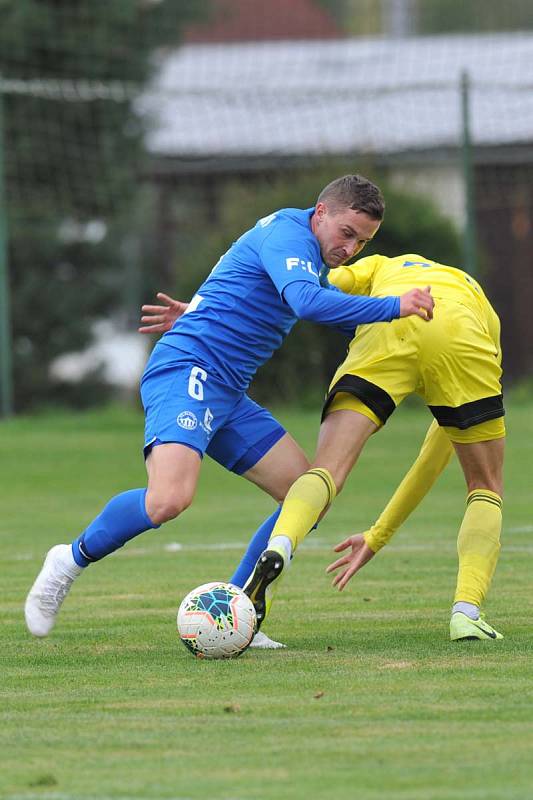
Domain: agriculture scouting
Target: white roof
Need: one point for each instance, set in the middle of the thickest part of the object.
(334, 97)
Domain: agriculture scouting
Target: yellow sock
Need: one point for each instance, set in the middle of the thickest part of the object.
(478, 545)
(313, 492)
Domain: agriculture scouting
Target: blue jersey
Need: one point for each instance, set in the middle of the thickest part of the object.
(239, 317)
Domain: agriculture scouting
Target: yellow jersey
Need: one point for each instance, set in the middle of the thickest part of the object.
(380, 276)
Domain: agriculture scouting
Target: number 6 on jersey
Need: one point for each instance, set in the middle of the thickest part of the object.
(196, 385)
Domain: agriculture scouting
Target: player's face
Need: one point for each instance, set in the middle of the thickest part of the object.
(342, 232)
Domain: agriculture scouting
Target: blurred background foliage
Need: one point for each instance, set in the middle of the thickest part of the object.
(370, 17)
(72, 171)
(96, 223)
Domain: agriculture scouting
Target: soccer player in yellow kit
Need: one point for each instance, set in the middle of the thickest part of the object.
(454, 363)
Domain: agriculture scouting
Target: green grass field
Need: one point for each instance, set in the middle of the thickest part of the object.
(370, 700)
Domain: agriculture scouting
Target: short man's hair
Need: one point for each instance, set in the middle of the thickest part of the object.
(355, 192)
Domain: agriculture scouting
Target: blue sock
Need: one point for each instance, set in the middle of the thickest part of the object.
(123, 518)
(257, 544)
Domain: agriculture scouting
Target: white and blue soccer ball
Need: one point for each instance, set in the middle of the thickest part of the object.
(216, 620)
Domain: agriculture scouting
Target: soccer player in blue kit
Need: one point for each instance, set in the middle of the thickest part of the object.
(194, 386)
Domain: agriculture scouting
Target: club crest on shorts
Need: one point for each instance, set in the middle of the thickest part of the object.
(208, 419)
(187, 420)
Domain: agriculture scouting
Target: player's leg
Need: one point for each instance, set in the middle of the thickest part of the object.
(278, 468)
(173, 472)
(478, 543)
(274, 472)
(354, 410)
(462, 387)
(255, 547)
(173, 447)
(253, 444)
(342, 437)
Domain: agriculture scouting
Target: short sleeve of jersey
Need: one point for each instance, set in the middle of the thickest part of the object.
(356, 278)
(289, 258)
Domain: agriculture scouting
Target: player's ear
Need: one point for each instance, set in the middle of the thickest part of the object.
(320, 209)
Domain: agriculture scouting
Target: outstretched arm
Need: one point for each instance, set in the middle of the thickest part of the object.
(162, 318)
(434, 455)
(312, 302)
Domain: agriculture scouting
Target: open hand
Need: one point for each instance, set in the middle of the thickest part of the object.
(419, 302)
(352, 562)
(162, 318)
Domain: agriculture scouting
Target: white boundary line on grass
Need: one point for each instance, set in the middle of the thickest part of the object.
(316, 545)
(521, 529)
(66, 796)
(63, 796)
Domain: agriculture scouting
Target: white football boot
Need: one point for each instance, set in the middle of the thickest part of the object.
(50, 589)
(263, 642)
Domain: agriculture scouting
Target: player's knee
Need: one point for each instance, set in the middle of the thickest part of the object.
(162, 508)
(279, 492)
(338, 476)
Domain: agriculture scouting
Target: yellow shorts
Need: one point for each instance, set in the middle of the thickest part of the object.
(451, 362)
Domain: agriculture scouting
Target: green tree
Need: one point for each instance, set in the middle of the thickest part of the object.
(69, 70)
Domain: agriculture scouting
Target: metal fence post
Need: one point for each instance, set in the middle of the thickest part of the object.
(6, 383)
(469, 244)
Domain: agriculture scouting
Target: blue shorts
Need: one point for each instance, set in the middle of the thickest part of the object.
(185, 404)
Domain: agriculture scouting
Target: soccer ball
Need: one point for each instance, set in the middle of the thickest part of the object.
(216, 620)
